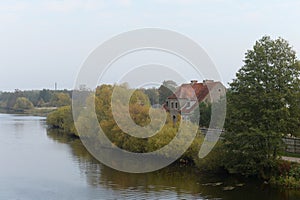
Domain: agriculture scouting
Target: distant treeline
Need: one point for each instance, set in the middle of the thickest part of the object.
(24, 100)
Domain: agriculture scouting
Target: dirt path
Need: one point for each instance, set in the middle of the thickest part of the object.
(292, 159)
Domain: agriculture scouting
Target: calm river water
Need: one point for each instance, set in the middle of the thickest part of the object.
(36, 164)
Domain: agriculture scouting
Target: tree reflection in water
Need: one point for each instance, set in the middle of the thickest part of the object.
(182, 180)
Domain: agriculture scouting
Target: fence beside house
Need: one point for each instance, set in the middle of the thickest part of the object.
(292, 144)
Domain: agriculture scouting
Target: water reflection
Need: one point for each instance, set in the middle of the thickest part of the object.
(171, 182)
(40, 165)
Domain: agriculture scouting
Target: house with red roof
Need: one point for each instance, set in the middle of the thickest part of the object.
(187, 97)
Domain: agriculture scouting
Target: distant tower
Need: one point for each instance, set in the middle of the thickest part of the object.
(55, 86)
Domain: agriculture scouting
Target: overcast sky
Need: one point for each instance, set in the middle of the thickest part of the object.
(43, 41)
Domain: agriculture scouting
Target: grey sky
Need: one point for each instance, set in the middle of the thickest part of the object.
(42, 42)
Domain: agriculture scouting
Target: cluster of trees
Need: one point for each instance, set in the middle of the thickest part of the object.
(22, 103)
(262, 107)
(62, 119)
(139, 106)
(24, 100)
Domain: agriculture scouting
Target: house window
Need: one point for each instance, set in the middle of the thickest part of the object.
(167, 103)
(176, 105)
(172, 105)
(188, 104)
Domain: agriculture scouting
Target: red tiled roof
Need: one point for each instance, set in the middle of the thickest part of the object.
(185, 91)
(190, 91)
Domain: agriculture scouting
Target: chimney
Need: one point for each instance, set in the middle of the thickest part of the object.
(208, 81)
(193, 82)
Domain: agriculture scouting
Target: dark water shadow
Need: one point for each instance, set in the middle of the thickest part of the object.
(185, 181)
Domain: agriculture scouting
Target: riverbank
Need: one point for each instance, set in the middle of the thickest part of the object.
(215, 162)
(285, 176)
(36, 111)
(41, 164)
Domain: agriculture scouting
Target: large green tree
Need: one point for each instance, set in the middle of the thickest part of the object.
(204, 111)
(153, 95)
(166, 90)
(263, 105)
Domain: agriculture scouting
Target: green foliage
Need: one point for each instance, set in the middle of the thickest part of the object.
(214, 161)
(62, 119)
(153, 95)
(285, 181)
(60, 99)
(45, 95)
(249, 153)
(31, 95)
(288, 175)
(290, 154)
(295, 172)
(166, 90)
(205, 114)
(139, 106)
(43, 98)
(283, 167)
(9, 99)
(263, 105)
(22, 103)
